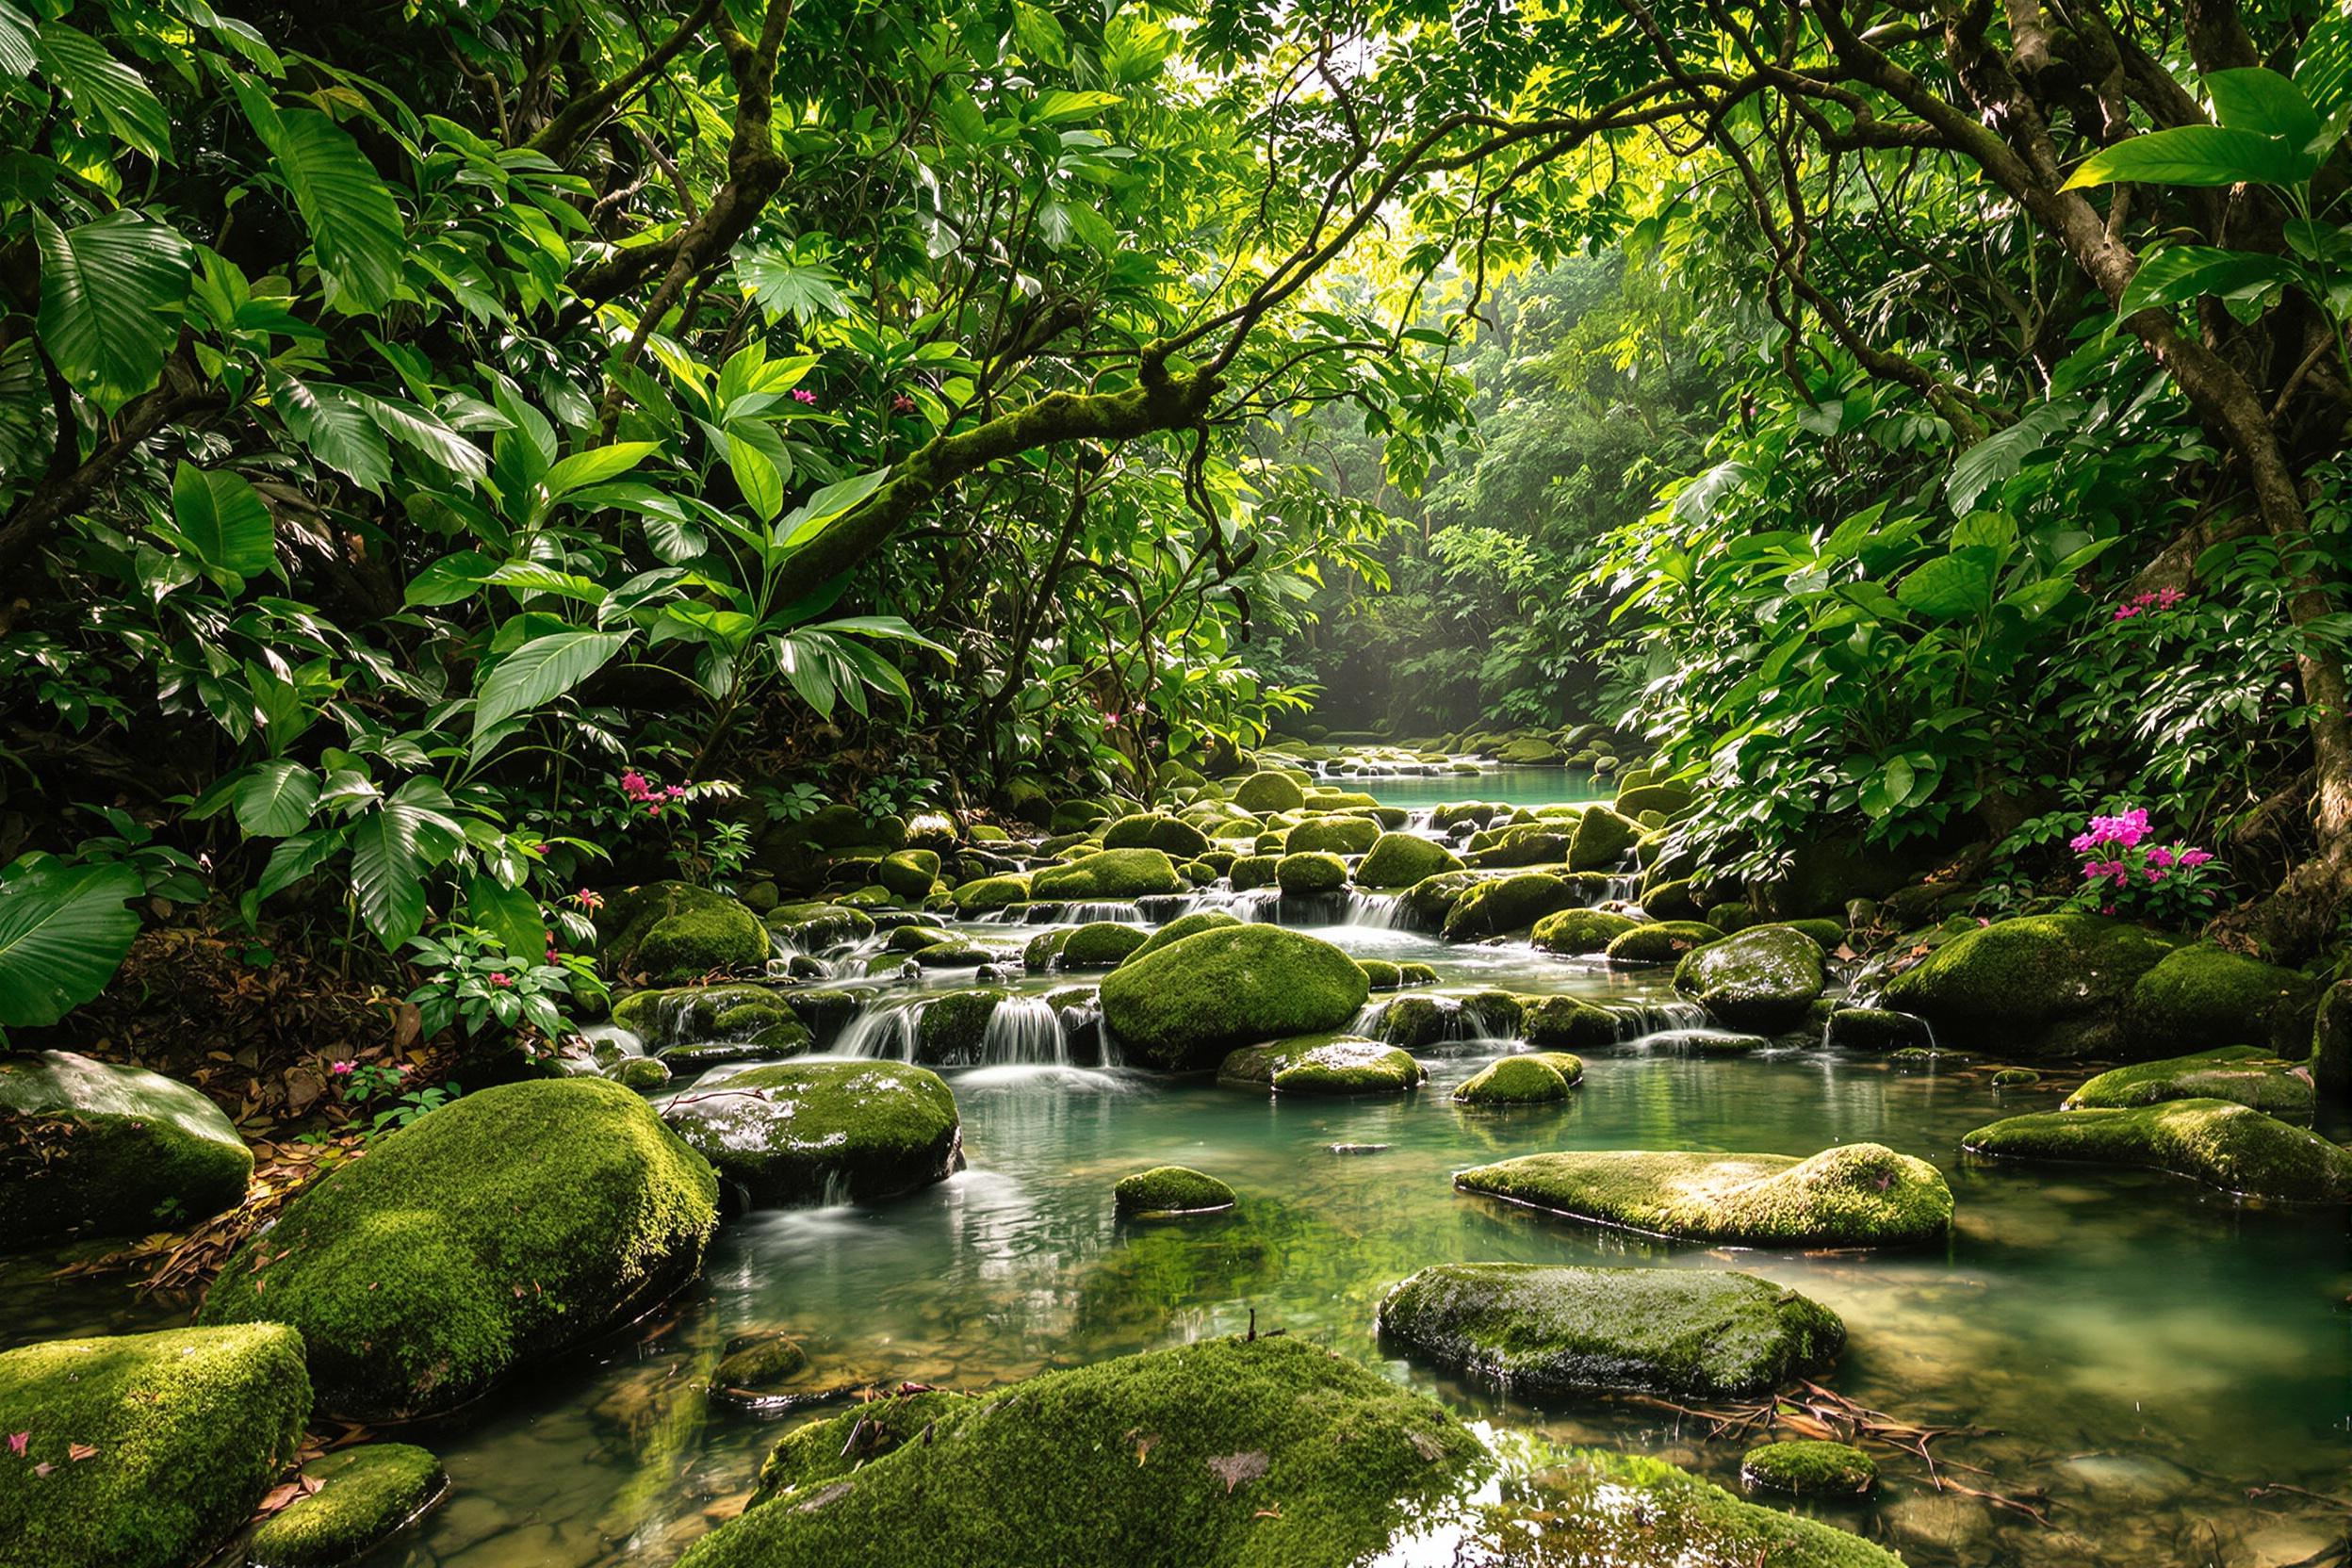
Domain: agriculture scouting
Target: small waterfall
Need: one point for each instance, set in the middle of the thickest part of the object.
(1422, 820)
(1367, 1019)
(1624, 888)
(884, 1033)
(1638, 1019)
(1087, 911)
(1376, 911)
(1024, 1029)
(613, 1038)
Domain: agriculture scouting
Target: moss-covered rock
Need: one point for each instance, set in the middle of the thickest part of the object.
(1109, 873)
(1672, 898)
(641, 1073)
(2052, 986)
(1101, 944)
(2201, 996)
(1878, 1029)
(1380, 974)
(799, 1131)
(910, 873)
(1190, 1002)
(1855, 1195)
(1542, 1332)
(1310, 871)
(1182, 926)
(2219, 1142)
(1505, 904)
(670, 932)
(1661, 942)
(1171, 1189)
(1636, 795)
(1269, 791)
(364, 1495)
(1529, 752)
(1534, 1079)
(2244, 1074)
(816, 928)
(91, 1148)
(1601, 840)
(1546, 1022)
(2016, 1078)
(1580, 931)
(1227, 1453)
(1333, 835)
(189, 1427)
(756, 1371)
(1322, 1064)
(1804, 1468)
(1253, 871)
(511, 1224)
(1763, 979)
(1428, 902)
(990, 893)
(1400, 859)
(1172, 836)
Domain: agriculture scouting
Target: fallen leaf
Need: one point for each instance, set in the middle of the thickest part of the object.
(79, 1451)
(17, 1442)
(1234, 1469)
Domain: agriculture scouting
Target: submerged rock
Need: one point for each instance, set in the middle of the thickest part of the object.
(1539, 1332)
(188, 1429)
(2052, 987)
(1323, 1064)
(364, 1495)
(2219, 1142)
(1190, 1002)
(1400, 859)
(1534, 1079)
(1108, 873)
(1855, 1195)
(1875, 1029)
(1171, 1189)
(91, 1148)
(2244, 1074)
(752, 1374)
(1808, 1469)
(1225, 1453)
(510, 1225)
(1763, 979)
(799, 1131)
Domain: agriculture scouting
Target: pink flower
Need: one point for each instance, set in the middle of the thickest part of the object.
(675, 792)
(802, 395)
(2159, 856)
(653, 810)
(589, 899)
(2168, 597)
(2082, 844)
(2191, 859)
(2155, 873)
(633, 782)
(2125, 612)
(499, 982)
(343, 1069)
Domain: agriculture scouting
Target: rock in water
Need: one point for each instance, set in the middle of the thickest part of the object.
(674, 931)
(1323, 1064)
(92, 1148)
(2045, 987)
(1400, 859)
(1188, 1003)
(2219, 1142)
(1808, 1469)
(1171, 1189)
(510, 1225)
(1533, 1079)
(798, 1131)
(1228, 1453)
(1105, 875)
(185, 1431)
(1539, 1331)
(1855, 1195)
(2201, 996)
(2244, 1074)
(1764, 979)
(364, 1495)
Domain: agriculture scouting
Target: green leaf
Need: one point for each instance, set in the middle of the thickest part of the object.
(819, 511)
(112, 293)
(2197, 155)
(104, 91)
(785, 285)
(756, 476)
(2263, 102)
(451, 579)
(276, 799)
(354, 224)
(335, 430)
(224, 519)
(392, 849)
(1948, 588)
(581, 470)
(1888, 789)
(297, 858)
(18, 43)
(510, 914)
(1061, 106)
(63, 932)
(540, 671)
(2325, 73)
(2179, 273)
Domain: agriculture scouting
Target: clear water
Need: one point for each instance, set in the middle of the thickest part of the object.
(2136, 1353)
(1510, 786)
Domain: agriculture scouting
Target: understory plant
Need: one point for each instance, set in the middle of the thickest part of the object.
(2125, 872)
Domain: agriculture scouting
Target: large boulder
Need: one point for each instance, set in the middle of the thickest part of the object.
(987, 894)
(1601, 840)
(2201, 996)
(1534, 1078)
(798, 1131)
(1575, 932)
(1400, 859)
(1322, 1064)
(2244, 1074)
(1505, 904)
(2219, 1142)
(513, 1224)
(1110, 874)
(1190, 1002)
(94, 1149)
(1428, 902)
(1333, 835)
(910, 873)
(1310, 871)
(1534, 1330)
(1763, 979)
(1855, 1195)
(2041, 987)
(1662, 941)
(1178, 839)
(185, 1431)
(363, 1494)
(1225, 1453)
(670, 932)
(1182, 926)
(1268, 793)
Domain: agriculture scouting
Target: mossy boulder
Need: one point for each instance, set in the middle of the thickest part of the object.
(1804, 1468)
(816, 927)
(513, 1224)
(1855, 1195)
(2219, 1142)
(364, 1495)
(1575, 932)
(2047, 987)
(1636, 794)
(1878, 1029)
(1174, 837)
(191, 1428)
(1542, 1332)
(1672, 898)
(1101, 944)
(641, 1073)
(1665, 942)
(1537, 1078)
(1333, 835)
(1253, 871)
(989, 894)
(1546, 1022)
(1269, 791)
(1224, 1453)
(2201, 996)
(91, 1148)
(1171, 1189)
(799, 1131)
(670, 932)
(1109, 873)
(1601, 840)
(1428, 902)
(910, 873)
(1505, 904)
(2244, 1074)
(1182, 926)
(1190, 1002)
(755, 1372)
(2016, 1078)
(1400, 859)
(753, 1017)
(1529, 752)
(1380, 974)
(1763, 979)
(1311, 872)
(1323, 1064)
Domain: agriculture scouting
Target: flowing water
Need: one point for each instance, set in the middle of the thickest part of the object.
(2128, 1356)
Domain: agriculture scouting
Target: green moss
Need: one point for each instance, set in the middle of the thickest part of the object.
(1671, 898)
(1109, 873)
(1732, 915)
(1531, 1080)
(1333, 835)
(1310, 871)
(2201, 996)
(991, 894)
(2219, 1142)
(1171, 1189)
(1601, 840)
(190, 1425)
(1580, 931)
(1507, 904)
(2050, 985)
(1190, 1003)
(1182, 926)
(1178, 839)
(1428, 902)
(1763, 979)
(2244, 1074)
(1563, 1021)
(755, 1366)
(1416, 974)
(1412, 1023)
(1828, 935)
(1380, 974)
(913, 939)
(835, 1445)
(1808, 1469)
(1269, 791)
(365, 1494)
(1855, 1195)
(1875, 1029)
(799, 1131)
(1636, 794)
(511, 1224)
(708, 1053)
(1926, 1058)
(1323, 1064)
(1400, 859)
(1101, 944)
(2016, 1078)
(1253, 871)
(673, 931)
(910, 873)
(1661, 942)
(1529, 753)
(94, 1149)
(642, 1073)
(1540, 1331)
(1219, 1454)
(953, 1025)
(816, 927)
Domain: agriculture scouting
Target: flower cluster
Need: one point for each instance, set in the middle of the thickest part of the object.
(802, 395)
(643, 792)
(2148, 603)
(2119, 863)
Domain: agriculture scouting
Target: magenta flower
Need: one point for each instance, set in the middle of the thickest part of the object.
(343, 1069)
(2125, 612)
(499, 982)
(17, 1442)
(802, 395)
(2159, 856)
(2191, 859)
(675, 792)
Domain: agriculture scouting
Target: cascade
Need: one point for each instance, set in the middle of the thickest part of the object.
(887, 1032)
(1024, 1029)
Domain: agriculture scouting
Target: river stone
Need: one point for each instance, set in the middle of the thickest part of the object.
(1101, 944)
(1543, 1332)
(1332, 836)
(2044, 987)
(1662, 941)
(986, 894)
(1108, 873)
(1534, 1079)
(1855, 1195)
(1601, 840)
(2244, 1074)
(672, 932)
(1177, 839)
(909, 872)
(191, 1428)
(1268, 793)
(1225, 1453)
(1575, 932)
(2201, 996)
(1189, 1004)
(1323, 1064)
(1171, 1189)
(1310, 871)
(93, 1148)
(1548, 1022)
(800, 1132)
(1879, 1029)
(1400, 859)
(1763, 979)
(1805, 1468)
(505, 1226)
(2219, 1142)
(1501, 905)
(364, 1495)
(752, 1373)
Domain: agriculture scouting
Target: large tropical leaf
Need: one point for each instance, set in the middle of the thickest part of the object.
(2197, 155)
(276, 798)
(393, 847)
(594, 466)
(336, 431)
(112, 292)
(354, 223)
(540, 671)
(63, 931)
(2179, 273)
(510, 914)
(224, 519)
(103, 91)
